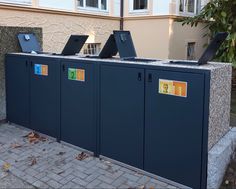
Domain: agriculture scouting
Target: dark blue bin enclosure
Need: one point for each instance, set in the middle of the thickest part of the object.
(33, 93)
(78, 123)
(122, 114)
(17, 90)
(45, 95)
(174, 128)
(123, 111)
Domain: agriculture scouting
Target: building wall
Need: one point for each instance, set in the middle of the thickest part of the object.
(150, 36)
(162, 38)
(58, 26)
(180, 36)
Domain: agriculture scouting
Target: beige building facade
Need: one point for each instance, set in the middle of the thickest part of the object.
(151, 22)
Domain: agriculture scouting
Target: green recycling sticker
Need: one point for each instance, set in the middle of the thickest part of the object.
(72, 74)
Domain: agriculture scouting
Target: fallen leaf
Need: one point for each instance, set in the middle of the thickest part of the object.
(33, 162)
(16, 145)
(34, 138)
(6, 167)
(82, 156)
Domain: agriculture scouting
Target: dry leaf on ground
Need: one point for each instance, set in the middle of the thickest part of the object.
(16, 145)
(82, 156)
(33, 162)
(34, 137)
(6, 167)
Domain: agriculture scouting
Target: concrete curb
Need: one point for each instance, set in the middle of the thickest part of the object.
(219, 157)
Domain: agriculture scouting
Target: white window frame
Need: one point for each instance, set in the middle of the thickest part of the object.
(132, 10)
(185, 12)
(17, 2)
(186, 46)
(99, 9)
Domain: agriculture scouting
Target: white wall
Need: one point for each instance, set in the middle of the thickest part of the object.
(17, 1)
(161, 7)
(116, 7)
(58, 4)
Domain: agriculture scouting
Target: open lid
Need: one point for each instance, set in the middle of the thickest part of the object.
(213, 47)
(74, 44)
(124, 44)
(28, 42)
(109, 49)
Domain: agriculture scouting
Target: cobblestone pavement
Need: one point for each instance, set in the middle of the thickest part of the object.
(49, 164)
(8, 180)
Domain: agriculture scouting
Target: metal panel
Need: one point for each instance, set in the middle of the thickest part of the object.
(122, 114)
(173, 128)
(17, 89)
(78, 124)
(45, 97)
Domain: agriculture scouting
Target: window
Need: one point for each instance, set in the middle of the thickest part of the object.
(191, 51)
(92, 48)
(140, 4)
(17, 1)
(97, 4)
(188, 6)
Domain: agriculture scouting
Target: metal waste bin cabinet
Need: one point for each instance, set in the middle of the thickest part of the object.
(78, 107)
(122, 114)
(174, 126)
(17, 71)
(45, 95)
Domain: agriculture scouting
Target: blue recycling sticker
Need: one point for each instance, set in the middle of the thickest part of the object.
(37, 69)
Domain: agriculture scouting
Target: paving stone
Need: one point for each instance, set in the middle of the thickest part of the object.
(40, 184)
(54, 184)
(150, 185)
(92, 177)
(64, 171)
(159, 182)
(105, 179)
(120, 181)
(54, 176)
(171, 187)
(94, 184)
(105, 186)
(80, 182)
(80, 174)
(143, 180)
(131, 177)
(45, 179)
(71, 185)
(67, 179)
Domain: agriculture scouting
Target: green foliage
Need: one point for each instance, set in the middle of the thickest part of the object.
(219, 16)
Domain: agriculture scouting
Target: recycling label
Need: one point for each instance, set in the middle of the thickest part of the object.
(76, 74)
(40, 69)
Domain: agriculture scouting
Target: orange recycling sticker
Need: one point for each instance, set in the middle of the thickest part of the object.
(80, 75)
(44, 70)
(171, 87)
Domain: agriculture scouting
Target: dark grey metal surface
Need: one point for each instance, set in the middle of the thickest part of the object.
(17, 90)
(78, 124)
(122, 114)
(45, 97)
(28, 42)
(125, 44)
(174, 128)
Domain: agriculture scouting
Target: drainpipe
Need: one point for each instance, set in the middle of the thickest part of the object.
(121, 14)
